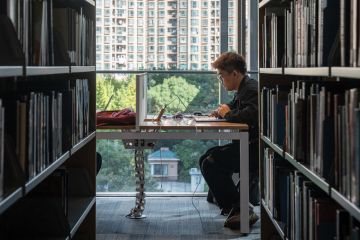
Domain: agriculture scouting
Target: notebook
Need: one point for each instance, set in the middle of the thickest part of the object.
(208, 119)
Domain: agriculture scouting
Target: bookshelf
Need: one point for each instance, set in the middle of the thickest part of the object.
(309, 119)
(47, 120)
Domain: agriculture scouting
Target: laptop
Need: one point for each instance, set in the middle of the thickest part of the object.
(205, 118)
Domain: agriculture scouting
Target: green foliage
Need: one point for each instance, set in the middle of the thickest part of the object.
(121, 87)
(205, 100)
(117, 171)
(168, 93)
(189, 152)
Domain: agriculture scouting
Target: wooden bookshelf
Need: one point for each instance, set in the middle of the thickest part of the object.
(300, 81)
(48, 150)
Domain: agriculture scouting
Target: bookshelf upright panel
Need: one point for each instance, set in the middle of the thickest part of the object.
(47, 119)
(309, 107)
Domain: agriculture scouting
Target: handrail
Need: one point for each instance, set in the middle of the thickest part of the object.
(163, 71)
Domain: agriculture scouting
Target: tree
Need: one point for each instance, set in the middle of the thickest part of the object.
(117, 171)
(123, 90)
(189, 152)
(175, 92)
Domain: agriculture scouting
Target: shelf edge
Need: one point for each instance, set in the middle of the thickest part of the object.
(46, 172)
(275, 223)
(11, 199)
(345, 203)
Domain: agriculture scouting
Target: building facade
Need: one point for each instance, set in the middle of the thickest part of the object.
(164, 164)
(160, 35)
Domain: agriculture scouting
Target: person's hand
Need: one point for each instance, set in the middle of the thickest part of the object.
(214, 113)
(222, 110)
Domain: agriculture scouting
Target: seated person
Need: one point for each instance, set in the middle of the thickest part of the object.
(219, 163)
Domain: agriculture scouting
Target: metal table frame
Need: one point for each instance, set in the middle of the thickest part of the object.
(243, 136)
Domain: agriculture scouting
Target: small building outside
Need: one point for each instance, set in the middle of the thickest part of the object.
(197, 180)
(164, 164)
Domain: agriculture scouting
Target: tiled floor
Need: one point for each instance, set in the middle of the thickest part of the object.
(167, 218)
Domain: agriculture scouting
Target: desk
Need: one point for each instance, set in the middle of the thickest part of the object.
(189, 129)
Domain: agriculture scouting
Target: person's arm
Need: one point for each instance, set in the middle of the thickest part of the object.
(248, 112)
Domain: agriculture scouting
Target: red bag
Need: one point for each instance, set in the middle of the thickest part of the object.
(121, 117)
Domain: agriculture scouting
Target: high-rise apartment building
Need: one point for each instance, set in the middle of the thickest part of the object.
(160, 34)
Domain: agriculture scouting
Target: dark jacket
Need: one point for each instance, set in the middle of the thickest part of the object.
(244, 107)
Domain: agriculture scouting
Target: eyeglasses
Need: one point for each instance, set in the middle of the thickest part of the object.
(220, 78)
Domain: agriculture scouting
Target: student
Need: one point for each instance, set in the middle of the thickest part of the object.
(219, 163)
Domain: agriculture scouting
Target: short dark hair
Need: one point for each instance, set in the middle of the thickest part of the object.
(230, 61)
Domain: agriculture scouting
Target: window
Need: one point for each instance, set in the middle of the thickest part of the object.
(131, 4)
(194, 13)
(182, 13)
(194, 40)
(161, 48)
(161, 31)
(151, 4)
(161, 57)
(194, 66)
(182, 39)
(183, 4)
(161, 13)
(193, 4)
(183, 67)
(161, 40)
(161, 22)
(194, 49)
(161, 4)
(151, 22)
(194, 22)
(194, 30)
(183, 22)
(183, 48)
(160, 169)
(183, 31)
(194, 57)
(182, 57)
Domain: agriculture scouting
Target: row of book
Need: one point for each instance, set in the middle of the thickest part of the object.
(312, 33)
(320, 127)
(2, 121)
(50, 35)
(46, 124)
(301, 209)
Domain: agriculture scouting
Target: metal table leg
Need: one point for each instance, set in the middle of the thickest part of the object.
(137, 211)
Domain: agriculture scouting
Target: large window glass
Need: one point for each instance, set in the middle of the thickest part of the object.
(171, 166)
